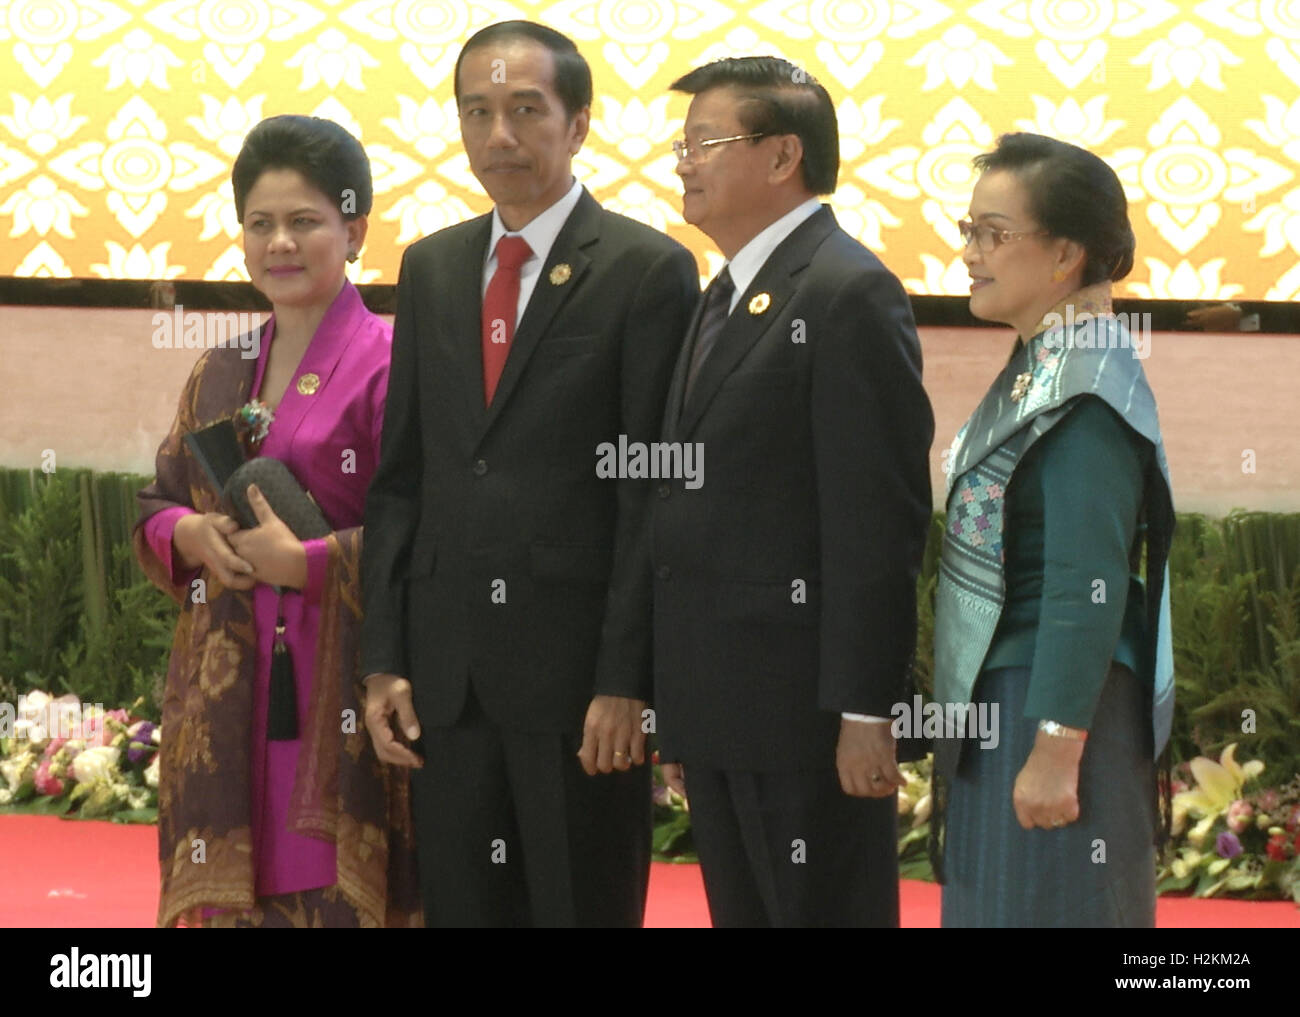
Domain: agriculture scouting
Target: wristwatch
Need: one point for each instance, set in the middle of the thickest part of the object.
(1051, 727)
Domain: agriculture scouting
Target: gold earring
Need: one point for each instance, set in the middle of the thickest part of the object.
(1058, 276)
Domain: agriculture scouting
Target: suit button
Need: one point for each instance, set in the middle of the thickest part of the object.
(665, 489)
(663, 572)
(480, 467)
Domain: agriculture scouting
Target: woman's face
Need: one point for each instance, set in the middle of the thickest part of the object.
(1015, 282)
(296, 240)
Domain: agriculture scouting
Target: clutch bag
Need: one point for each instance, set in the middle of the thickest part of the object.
(283, 493)
(219, 452)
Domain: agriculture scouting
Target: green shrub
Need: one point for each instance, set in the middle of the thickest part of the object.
(77, 614)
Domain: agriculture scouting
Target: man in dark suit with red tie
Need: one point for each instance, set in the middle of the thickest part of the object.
(785, 584)
(507, 615)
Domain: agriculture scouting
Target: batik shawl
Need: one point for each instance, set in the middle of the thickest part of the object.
(342, 792)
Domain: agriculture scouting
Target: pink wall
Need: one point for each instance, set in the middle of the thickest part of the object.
(89, 384)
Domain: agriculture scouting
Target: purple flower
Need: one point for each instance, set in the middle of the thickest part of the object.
(1227, 845)
(141, 747)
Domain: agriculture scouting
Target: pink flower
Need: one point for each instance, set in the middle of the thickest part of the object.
(44, 782)
(1239, 813)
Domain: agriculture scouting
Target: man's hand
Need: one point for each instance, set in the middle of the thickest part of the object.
(674, 777)
(612, 738)
(866, 761)
(203, 539)
(277, 556)
(1046, 793)
(387, 694)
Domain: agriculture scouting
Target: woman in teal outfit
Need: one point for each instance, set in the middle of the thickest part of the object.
(1058, 482)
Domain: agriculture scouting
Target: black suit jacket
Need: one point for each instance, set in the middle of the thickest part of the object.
(493, 551)
(785, 585)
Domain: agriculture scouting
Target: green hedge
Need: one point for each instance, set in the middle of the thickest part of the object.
(77, 614)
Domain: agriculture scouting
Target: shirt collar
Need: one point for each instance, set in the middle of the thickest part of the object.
(541, 231)
(750, 258)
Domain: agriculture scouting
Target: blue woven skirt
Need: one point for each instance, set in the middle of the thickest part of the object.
(1097, 872)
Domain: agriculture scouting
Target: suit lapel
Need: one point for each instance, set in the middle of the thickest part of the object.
(580, 230)
(677, 387)
(748, 321)
(465, 317)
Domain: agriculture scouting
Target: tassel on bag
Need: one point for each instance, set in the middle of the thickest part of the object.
(282, 704)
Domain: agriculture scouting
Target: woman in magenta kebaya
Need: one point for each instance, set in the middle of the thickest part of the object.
(309, 830)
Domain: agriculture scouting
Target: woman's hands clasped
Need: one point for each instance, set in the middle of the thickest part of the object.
(240, 559)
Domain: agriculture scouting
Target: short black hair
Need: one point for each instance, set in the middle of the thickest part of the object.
(777, 97)
(572, 75)
(1072, 194)
(327, 156)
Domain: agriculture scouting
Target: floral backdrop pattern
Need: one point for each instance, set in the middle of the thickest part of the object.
(119, 120)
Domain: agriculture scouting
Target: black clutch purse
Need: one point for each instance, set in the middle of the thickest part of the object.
(283, 493)
(218, 451)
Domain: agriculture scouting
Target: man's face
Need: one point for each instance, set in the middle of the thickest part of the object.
(724, 187)
(518, 138)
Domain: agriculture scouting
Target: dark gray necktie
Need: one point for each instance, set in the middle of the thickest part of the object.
(717, 305)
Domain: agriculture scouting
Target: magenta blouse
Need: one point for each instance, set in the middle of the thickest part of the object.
(329, 439)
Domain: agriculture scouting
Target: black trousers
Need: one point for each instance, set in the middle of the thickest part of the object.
(511, 832)
(790, 849)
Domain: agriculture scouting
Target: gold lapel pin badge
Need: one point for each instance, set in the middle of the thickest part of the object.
(1021, 387)
(308, 384)
(560, 274)
(760, 303)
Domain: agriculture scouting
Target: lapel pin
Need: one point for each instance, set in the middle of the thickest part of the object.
(308, 384)
(1021, 387)
(760, 303)
(560, 274)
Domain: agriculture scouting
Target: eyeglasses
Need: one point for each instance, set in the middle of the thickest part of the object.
(988, 238)
(685, 151)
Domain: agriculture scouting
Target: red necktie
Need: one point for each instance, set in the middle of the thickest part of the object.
(500, 305)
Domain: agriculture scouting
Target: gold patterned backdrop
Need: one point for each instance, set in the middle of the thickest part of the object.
(119, 120)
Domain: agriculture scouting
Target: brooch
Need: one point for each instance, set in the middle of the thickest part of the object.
(560, 274)
(308, 384)
(254, 419)
(1021, 386)
(760, 303)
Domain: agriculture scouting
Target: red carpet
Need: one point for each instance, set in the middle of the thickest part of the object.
(56, 873)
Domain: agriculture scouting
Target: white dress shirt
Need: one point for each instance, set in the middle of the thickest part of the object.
(539, 235)
(753, 256)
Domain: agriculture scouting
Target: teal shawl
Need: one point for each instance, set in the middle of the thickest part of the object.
(1081, 349)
